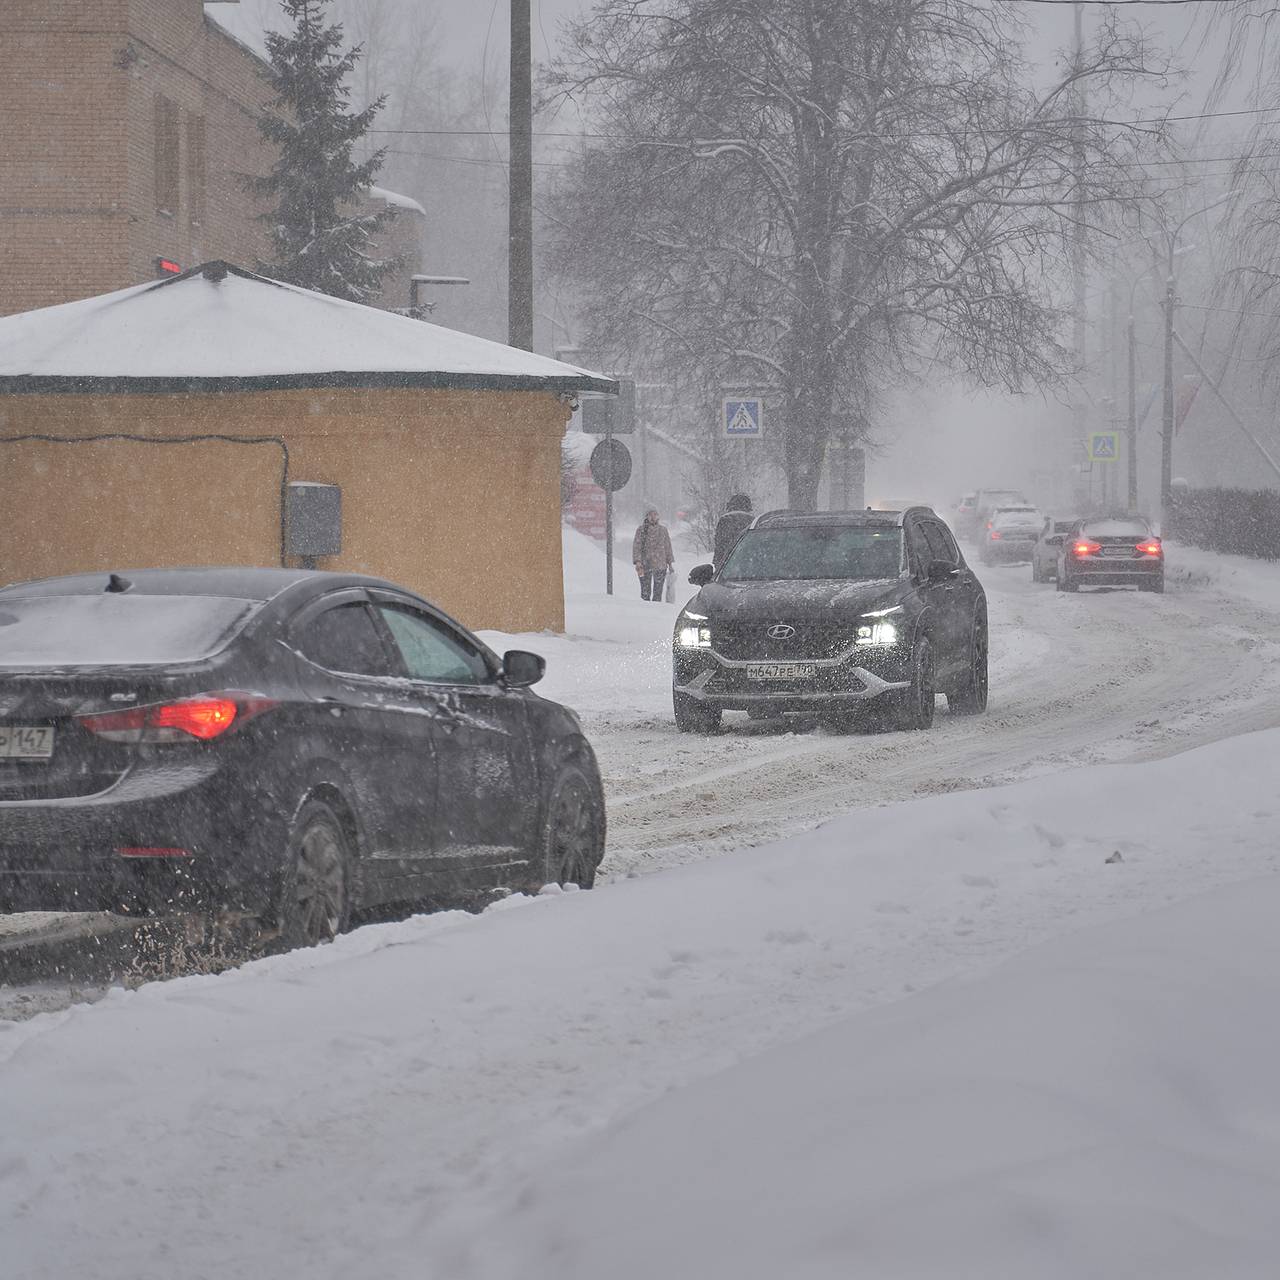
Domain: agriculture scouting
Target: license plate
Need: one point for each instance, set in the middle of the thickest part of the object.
(1117, 551)
(25, 742)
(781, 671)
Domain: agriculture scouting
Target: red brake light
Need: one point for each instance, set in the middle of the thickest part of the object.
(1083, 548)
(1151, 548)
(204, 717)
(996, 535)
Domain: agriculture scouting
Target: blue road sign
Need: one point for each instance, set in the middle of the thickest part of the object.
(744, 419)
(1104, 446)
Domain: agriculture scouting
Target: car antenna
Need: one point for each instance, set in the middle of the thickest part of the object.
(117, 584)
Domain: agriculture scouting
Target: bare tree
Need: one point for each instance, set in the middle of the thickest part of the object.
(811, 195)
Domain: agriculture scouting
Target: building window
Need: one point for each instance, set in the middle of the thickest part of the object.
(196, 170)
(166, 155)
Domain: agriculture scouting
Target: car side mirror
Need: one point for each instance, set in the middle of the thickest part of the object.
(941, 570)
(520, 669)
(701, 574)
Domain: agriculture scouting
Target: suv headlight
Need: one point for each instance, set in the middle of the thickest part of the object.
(691, 633)
(694, 637)
(876, 633)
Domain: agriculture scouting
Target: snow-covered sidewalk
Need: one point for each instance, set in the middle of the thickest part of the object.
(557, 1087)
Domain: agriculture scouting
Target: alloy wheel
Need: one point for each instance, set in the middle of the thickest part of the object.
(320, 884)
(571, 856)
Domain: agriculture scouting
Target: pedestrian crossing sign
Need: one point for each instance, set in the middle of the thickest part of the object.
(1104, 446)
(743, 419)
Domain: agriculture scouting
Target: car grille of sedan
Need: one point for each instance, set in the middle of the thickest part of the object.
(749, 641)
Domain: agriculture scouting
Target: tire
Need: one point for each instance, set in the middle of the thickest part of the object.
(315, 900)
(971, 698)
(572, 844)
(914, 706)
(1065, 583)
(1157, 586)
(693, 716)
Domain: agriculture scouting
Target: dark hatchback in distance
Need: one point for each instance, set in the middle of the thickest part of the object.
(294, 744)
(827, 612)
(1111, 551)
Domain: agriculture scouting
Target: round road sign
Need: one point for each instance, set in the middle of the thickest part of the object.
(611, 465)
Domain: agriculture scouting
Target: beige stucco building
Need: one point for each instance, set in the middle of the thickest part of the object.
(162, 425)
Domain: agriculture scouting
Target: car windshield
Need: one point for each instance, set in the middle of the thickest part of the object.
(1117, 529)
(112, 630)
(816, 551)
(1016, 515)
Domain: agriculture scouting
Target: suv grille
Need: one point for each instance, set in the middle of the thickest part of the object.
(747, 641)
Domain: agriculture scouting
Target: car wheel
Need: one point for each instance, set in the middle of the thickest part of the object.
(971, 698)
(914, 706)
(573, 832)
(693, 716)
(1156, 585)
(1066, 582)
(315, 903)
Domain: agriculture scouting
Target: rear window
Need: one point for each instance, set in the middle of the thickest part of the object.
(112, 630)
(1017, 515)
(1117, 529)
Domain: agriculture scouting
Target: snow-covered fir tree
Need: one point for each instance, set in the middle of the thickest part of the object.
(321, 237)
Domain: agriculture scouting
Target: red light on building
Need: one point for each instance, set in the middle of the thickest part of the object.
(167, 267)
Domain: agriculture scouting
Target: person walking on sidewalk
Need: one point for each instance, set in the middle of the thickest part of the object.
(737, 517)
(651, 554)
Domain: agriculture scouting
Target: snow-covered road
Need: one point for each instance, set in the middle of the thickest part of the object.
(1102, 676)
(426, 1098)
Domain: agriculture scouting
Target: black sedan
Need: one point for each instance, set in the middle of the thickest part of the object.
(293, 744)
(828, 612)
(1111, 551)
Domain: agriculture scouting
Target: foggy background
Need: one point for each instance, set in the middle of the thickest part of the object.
(443, 67)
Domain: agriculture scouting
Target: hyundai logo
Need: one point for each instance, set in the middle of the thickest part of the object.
(780, 631)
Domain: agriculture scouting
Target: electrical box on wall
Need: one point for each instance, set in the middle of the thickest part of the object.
(314, 519)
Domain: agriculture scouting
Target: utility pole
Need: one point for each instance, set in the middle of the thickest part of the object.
(1133, 410)
(520, 216)
(1078, 250)
(1166, 432)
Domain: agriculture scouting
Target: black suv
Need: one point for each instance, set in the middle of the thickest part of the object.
(824, 612)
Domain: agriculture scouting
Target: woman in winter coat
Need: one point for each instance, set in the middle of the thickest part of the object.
(652, 556)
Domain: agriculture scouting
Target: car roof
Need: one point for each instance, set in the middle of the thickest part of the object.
(789, 519)
(237, 581)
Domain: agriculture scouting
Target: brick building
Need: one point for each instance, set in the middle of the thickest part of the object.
(127, 125)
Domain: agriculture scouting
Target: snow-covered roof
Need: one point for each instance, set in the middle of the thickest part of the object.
(396, 199)
(242, 24)
(218, 327)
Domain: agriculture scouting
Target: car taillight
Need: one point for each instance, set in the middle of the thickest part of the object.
(203, 718)
(1087, 548)
(1151, 548)
(996, 535)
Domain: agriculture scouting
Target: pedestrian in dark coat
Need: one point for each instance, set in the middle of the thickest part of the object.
(737, 517)
(652, 556)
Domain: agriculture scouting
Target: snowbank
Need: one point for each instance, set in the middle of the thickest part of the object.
(484, 1097)
(1105, 1106)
